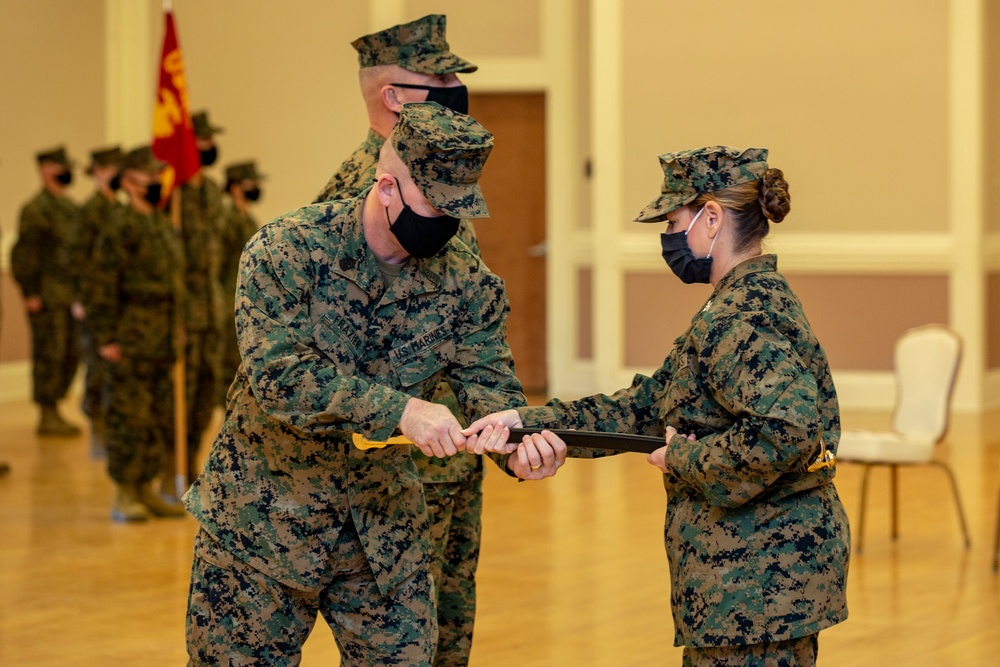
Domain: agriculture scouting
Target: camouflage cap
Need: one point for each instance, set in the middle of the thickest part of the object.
(202, 128)
(687, 174)
(243, 171)
(418, 46)
(105, 157)
(445, 152)
(57, 155)
(142, 159)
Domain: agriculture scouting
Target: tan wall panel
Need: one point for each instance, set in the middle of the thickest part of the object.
(15, 337)
(857, 317)
(281, 78)
(52, 69)
(487, 29)
(658, 308)
(993, 320)
(848, 96)
(991, 131)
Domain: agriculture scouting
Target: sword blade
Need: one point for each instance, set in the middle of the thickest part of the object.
(621, 442)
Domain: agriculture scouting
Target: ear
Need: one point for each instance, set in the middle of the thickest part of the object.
(388, 96)
(383, 188)
(713, 218)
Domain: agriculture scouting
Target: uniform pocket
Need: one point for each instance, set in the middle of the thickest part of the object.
(336, 339)
(420, 359)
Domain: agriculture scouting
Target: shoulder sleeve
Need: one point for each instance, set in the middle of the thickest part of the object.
(754, 373)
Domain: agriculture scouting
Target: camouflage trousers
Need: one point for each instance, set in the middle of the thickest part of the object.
(139, 420)
(201, 376)
(55, 353)
(455, 512)
(95, 393)
(799, 652)
(239, 616)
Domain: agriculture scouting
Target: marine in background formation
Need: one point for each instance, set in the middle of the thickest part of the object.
(41, 261)
(135, 303)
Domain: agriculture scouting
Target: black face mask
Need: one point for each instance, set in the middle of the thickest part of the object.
(115, 183)
(455, 98)
(209, 156)
(420, 235)
(253, 194)
(153, 192)
(65, 177)
(681, 260)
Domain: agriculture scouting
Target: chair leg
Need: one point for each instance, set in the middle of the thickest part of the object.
(958, 501)
(996, 542)
(864, 498)
(894, 489)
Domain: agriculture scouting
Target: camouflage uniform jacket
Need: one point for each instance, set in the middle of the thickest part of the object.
(757, 545)
(94, 216)
(41, 258)
(355, 176)
(135, 293)
(201, 222)
(236, 231)
(329, 351)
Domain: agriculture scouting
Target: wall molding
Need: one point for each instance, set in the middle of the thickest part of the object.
(811, 253)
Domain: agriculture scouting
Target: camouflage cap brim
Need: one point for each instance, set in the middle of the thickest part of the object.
(438, 63)
(657, 210)
(461, 201)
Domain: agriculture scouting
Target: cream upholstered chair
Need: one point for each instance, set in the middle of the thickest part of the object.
(926, 362)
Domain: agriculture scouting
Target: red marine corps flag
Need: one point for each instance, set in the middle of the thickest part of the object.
(174, 143)
(173, 134)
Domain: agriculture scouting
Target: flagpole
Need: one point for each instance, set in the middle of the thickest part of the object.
(180, 380)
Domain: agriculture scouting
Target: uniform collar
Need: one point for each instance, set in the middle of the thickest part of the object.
(758, 264)
(356, 262)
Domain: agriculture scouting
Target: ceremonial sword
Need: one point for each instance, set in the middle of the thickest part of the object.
(619, 442)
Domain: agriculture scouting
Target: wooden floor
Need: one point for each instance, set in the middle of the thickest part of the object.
(572, 569)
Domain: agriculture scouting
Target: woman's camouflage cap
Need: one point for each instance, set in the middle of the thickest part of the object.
(687, 174)
(418, 46)
(445, 152)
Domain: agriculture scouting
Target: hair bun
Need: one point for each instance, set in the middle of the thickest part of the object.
(774, 199)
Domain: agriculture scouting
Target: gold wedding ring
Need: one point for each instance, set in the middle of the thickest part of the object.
(535, 467)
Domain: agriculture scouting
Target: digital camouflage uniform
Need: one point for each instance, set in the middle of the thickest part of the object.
(41, 261)
(201, 222)
(758, 546)
(453, 485)
(94, 216)
(237, 229)
(329, 350)
(134, 298)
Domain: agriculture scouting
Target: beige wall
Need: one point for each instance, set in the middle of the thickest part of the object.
(53, 93)
(847, 95)
(281, 78)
